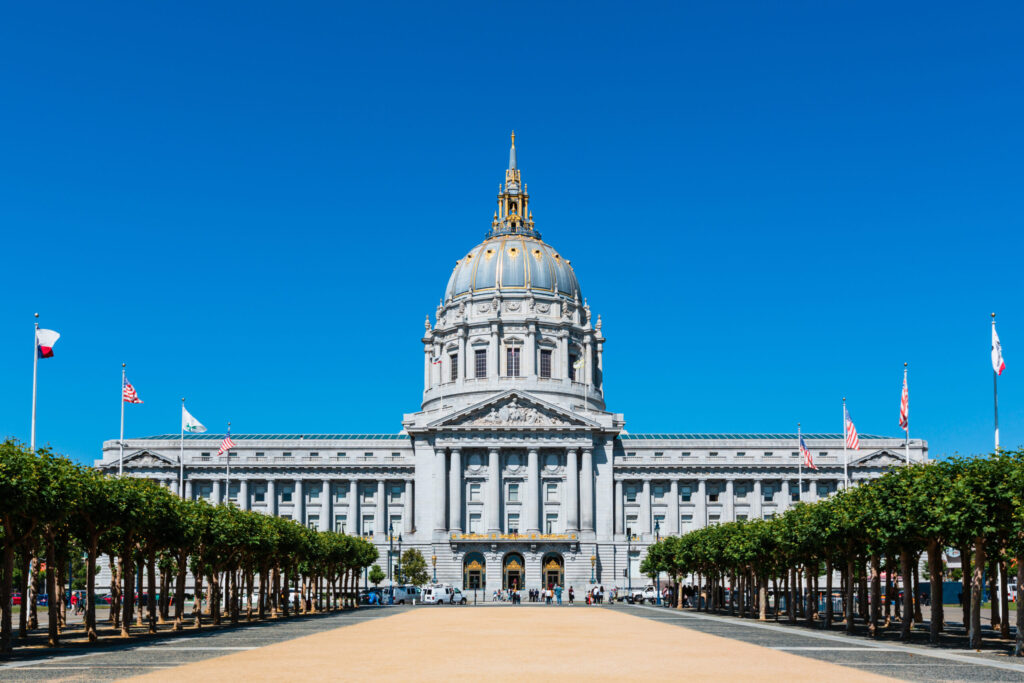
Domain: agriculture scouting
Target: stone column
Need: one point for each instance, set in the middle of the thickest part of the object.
(757, 505)
(380, 524)
(410, 508)
(587, 491)
(174, 486)
(700, 509)
(784, 503)
(462, 356)
(572, 492)
(352, 523)
(532, 491)
(493, 499)
(619, 508)
(530, 367)
(673, 508)
(299, 503)
(215, 496)
(439, 486)
(455, 491)
(599, 380)
(188, 489)
(563, 355)
(426, 367)
(325, 506)
(645, 508)
(492, 354)
(243, 494)
(588, 365)
(271, 498)
(729, 506)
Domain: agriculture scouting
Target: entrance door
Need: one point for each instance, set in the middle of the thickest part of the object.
(553, 570)
(474, 572)
(514, 580)
(552, 578)
(513, 571)
(473, 579)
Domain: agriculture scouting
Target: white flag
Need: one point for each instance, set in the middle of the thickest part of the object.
(190, 424)
(997, 352)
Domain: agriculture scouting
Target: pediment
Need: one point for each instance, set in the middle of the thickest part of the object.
(882, 458)
(515, 409)
(145, 458)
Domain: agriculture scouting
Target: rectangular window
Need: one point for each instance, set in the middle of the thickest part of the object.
(794, 492)
(572, 367)
(713, 494)
(741, 454)
(794, 454)
(768, 454)
(658, 454)
(339, 454)
(314, 493)
(395, 525)
(685, 454)
(822, 454)
(339, 523)
(713, 454)
(204, 456)
(823, 491)
(659, 522)
(368, 493)
(368, 454)
(686, 493)
(313, 521)
(396, 494)
(685, 521)
(631, 454)
(512, 361)
(551, 492)
(741, 518)
(314, 454)
(551, 522)
(259, 494)
(741, 491)
(513, 523)
(474, 523)
(340, 492)
(545, 363)
(513, 493)
(474, 493)
(480, 363)
(658, 492)
(260, 454)
(453, 364)
(286, 494)
(368, 525)
(286, 454)
(767, 492)
(714, 519)
(631, 524)
(630, 494)
(395, 454)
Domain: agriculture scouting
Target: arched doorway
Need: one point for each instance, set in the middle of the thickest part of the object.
(474, 572)
(513, 571)
(552, 569)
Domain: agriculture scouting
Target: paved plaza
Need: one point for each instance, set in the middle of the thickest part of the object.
(438, 642)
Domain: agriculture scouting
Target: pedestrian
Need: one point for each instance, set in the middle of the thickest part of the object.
(558, 594)
(572, 595)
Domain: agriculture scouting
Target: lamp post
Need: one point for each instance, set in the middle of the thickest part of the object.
(593, 562)
(400, 581)
(433, 561)
(391, 550)
(657, 577)
(629, 562)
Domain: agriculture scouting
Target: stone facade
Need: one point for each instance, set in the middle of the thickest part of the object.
(513, 470)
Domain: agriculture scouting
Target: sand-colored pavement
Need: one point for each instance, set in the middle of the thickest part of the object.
(503, 643)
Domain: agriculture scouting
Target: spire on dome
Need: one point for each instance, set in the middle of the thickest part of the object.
(512, 153)
(513, 216)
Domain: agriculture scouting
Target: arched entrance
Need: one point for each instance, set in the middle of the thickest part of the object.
(552, 569)
(474, 572)
(513, 571)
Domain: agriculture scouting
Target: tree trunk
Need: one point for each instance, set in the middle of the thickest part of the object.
(993, 593)
(286, 589)
(908, 598)
(114, 616)
(848, 607)
(151, 589)
(1004, 600)
(889, 592)
(935, 572)
(90, 589)
(976, 590)
(1018, 648)
(862, 587)
(876, 596)
(829, 615)
(24, 562)
(965, 584)
(53, 600)
(33, 598)
(918, 617)
(197, 597)
(6, 581)
(179, 591)
(128, 592)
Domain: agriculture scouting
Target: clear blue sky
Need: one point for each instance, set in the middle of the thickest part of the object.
(254, 205)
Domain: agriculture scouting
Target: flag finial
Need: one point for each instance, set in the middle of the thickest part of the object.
(904, 363)
(122, 365)
(993, 315)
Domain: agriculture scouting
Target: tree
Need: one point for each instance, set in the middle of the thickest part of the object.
(414, 567)
(376, 575)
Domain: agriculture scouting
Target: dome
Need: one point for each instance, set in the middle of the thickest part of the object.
(511, 263)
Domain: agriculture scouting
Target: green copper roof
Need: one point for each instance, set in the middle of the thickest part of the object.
(282, 437)
(777, 437)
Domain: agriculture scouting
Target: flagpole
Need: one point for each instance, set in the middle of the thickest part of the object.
(846, 456)
(120, 443)
(181, 453)
(800, 464)
(906, 445)
(35, 369)
(227, 476)
(995, 389)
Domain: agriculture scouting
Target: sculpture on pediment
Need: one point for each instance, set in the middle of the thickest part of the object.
(511, 413)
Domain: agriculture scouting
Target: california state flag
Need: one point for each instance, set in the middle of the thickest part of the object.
(997, 351)
(45, 339)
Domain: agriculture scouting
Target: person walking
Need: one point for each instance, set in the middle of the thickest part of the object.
(572, 595)
(558, 595)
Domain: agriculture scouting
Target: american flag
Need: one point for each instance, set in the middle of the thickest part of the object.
(852, 442)
(436, 360)
(226, 445)
(804, 451)
(905, 405)
(128, 394)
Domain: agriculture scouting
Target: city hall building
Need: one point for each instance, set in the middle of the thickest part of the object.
(514, 472)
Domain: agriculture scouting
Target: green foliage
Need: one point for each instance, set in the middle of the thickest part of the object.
(376, 575)
(414, 567)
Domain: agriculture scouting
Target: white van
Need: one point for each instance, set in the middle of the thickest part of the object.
(406, 595)
(440, 595)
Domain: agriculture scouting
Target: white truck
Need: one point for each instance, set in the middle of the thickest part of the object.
(647, 594)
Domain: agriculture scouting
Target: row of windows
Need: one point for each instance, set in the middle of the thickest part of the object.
(475, 494)
(311, 454)
(475, 523)
(739, 454)
(513, 363)
(714, 491)
(286, 493)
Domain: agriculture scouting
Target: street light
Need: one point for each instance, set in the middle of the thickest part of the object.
(433, 561)
(629, 561)
(391, 550)
(400, 581)
(593, 561)
(657, 577)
